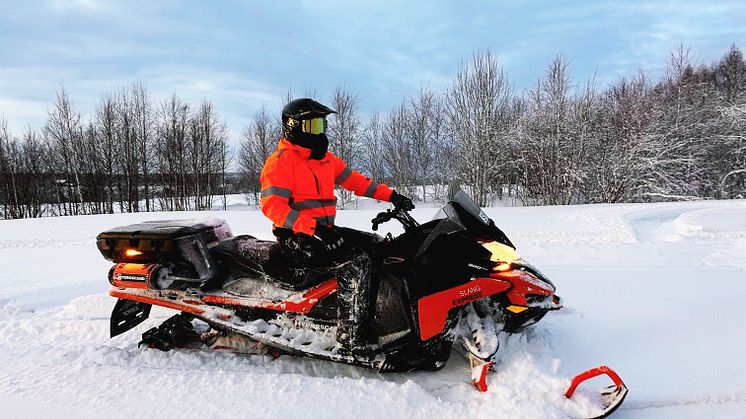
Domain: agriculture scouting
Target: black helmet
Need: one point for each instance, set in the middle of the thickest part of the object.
(304, 124)
(302, 109)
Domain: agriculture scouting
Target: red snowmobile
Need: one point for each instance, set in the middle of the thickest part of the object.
(455, 281)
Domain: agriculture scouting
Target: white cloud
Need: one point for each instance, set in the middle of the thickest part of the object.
(708, 28)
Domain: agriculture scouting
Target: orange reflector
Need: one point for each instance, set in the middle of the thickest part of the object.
(517, 309)
(502, 267)
(130, 253)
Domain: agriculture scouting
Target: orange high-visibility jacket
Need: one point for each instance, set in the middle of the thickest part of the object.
(298, 192)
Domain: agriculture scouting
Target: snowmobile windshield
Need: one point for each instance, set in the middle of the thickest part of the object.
(472, 209)
(462, 214)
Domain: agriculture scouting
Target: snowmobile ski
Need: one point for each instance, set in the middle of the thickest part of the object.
(611, 397)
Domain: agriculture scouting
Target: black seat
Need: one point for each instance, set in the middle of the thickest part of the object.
(248, 256)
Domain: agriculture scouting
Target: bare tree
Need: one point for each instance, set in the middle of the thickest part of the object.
(142, 122)
(64, 128)
(172, 151)
(129, 153)
(36, 187)
(730, 78)
(617, 165)
(106, 123)
(479, 110)
(398, 151)
(226, 158)
(423, 125)
(553, 138)
(343, 133)
(372, 159)
(258, 142)
(442, 148)
(207, 135)
(9, 167)
(22, 185)
(679, 167)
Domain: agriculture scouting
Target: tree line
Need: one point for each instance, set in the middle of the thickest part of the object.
(131, 155)
(560, 142)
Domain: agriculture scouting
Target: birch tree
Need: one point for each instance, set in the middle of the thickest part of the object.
(259, 141)
(64, 129)
(553, 138)
(343, 133)
(479, 110)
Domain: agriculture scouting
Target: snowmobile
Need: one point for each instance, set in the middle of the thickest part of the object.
(453, 282)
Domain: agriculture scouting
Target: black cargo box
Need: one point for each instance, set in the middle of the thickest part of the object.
(180, 244)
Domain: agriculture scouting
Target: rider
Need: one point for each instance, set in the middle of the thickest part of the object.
(298, 182)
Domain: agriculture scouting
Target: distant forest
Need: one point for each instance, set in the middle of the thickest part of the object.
(682, 137)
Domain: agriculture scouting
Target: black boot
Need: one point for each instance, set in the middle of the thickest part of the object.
(352, 330)
(353, 306)
(356, 341)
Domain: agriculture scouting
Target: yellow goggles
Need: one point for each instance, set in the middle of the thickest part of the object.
(313, 126)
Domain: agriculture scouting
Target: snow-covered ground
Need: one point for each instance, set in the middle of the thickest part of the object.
(657, 291)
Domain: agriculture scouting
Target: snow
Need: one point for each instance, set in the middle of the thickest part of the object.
(655, 291)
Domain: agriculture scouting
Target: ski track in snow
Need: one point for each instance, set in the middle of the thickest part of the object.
(653, 290)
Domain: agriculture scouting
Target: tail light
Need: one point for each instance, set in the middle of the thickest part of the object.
(131, 253)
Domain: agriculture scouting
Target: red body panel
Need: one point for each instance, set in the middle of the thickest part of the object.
(433, 309)
(156, 302)
(309, 300)
(524, 283)
(302, 305)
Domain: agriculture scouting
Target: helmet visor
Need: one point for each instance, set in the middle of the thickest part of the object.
(313, 126)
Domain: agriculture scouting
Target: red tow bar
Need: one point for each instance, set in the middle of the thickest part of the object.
(612, 396)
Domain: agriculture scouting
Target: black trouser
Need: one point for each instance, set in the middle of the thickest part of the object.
(351, 266)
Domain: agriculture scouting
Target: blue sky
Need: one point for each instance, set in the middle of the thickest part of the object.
(244, 55)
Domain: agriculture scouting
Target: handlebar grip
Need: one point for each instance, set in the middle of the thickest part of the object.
(381, 218)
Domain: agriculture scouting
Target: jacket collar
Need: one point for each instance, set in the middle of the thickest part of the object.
(285, 144)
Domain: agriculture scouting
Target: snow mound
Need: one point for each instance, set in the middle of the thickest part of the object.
(723, 223)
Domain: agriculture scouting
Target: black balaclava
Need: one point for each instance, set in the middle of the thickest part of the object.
(317, 143)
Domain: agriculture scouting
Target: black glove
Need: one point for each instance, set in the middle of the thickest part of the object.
(331, 239)
(401, 202)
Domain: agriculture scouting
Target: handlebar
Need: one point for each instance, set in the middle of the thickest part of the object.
(381, 218)
(406, 220)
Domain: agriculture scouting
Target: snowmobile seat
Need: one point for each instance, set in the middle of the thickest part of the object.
(247, 256)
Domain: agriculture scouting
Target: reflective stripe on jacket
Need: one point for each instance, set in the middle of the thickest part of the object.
(298, 192)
